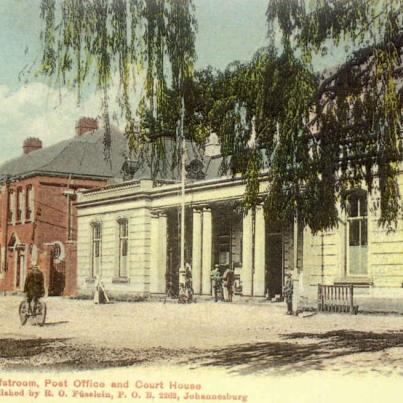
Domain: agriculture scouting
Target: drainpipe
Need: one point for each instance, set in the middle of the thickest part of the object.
(6, 208)
(183, 180)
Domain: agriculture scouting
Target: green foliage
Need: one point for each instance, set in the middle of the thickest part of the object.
(317, 136)
(313, 136)
(357, 106)
(83, 39)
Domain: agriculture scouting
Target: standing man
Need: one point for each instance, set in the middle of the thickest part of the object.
(216, 282)
(229, 279)
(288, 291)
(189, 282)
(34, 286)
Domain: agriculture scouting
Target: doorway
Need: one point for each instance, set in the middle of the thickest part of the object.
(173, 247)
(20, 269)
(274, 264)
(57, 272)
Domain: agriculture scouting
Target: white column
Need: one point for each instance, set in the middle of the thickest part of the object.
(197, 252)
(206, 251)
(162, 261)
(155, 253)
(295, 273)
(260, 253)
(247, 255)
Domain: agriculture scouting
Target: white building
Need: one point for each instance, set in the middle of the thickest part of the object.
(129, 235)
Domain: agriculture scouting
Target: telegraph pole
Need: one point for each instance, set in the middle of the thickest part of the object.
(183, 178)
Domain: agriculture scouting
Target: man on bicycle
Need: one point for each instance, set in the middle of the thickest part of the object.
(34, 286)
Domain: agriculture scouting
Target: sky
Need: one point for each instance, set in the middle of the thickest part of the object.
(228, 30)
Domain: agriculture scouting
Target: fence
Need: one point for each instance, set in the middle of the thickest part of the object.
(336, 298)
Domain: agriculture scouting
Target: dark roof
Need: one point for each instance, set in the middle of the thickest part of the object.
(83, 156)
(80, 156)
(165, 167)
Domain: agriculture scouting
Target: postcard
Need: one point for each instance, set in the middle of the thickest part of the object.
(200, 200)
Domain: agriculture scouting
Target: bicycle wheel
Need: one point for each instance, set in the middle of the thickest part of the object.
(40, 313)
(23, 312)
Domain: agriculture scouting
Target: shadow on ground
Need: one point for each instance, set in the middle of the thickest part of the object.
(302, 352)
(38, 353)
(25, 348)
(298, 352)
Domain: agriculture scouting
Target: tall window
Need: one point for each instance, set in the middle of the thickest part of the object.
(96, 248)
(357, 221)
(11, 206)
(19, 202)
(123, 246)
(29, 202)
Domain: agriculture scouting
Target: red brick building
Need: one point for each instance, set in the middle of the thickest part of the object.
(38, 223)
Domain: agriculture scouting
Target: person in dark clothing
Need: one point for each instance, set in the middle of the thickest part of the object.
(228, 279)
(34, 287)
(216, 283)
(189, 282)
(288, 290)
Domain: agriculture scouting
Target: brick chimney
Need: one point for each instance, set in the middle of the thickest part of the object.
(85, 125)
(31, 144)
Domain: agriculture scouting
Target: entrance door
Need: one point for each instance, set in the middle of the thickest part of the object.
(274, 265)
(173, 240)
(57, 272)
(19, 274)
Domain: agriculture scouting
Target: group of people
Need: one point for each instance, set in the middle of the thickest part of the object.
(186, 287)
(223, 285)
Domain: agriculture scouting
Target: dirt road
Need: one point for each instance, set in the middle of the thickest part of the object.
(240, 338)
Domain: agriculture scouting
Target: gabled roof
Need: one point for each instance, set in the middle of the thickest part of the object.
(80, 156)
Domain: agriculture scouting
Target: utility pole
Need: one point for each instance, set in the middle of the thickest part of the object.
(183, 178)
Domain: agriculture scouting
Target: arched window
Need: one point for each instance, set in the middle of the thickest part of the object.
(357, 233)
(96, 235)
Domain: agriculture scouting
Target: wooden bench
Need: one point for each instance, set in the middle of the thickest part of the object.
(336, 298)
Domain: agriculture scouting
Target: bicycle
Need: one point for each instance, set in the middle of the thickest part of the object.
(38, 312)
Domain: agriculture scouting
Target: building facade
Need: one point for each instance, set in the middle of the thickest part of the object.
(130, 234)
(358, 252)
(38, 220)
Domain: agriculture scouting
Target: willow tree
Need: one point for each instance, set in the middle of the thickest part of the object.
(87, 38)
(317, 134)
(357, 105)
(95, 41)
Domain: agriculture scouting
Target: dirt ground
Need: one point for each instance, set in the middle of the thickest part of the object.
(239, 338)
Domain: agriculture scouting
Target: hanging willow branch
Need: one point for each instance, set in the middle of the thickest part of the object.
(102, 37)
(317, 136)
